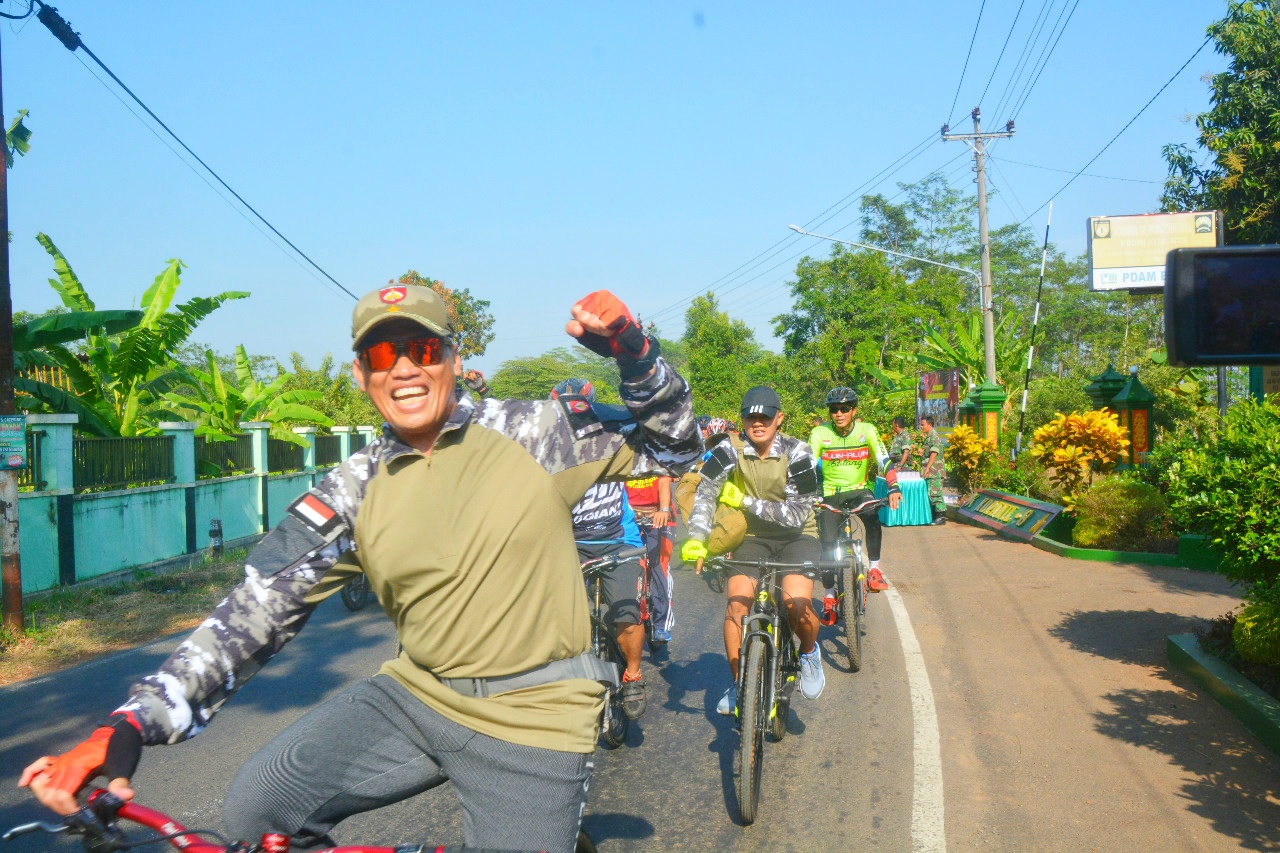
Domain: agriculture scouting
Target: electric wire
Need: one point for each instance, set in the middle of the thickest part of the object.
(1028, 47)
(1068, 171)
(996, 67)
(31, 7)
(746, 303)
(199, 174)
(72, 41)
(1009, 186)
(951, 113)
(1122, 130)
(789, 241)
(1017, 110)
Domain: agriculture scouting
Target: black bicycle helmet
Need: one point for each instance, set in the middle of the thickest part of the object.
(842, 395)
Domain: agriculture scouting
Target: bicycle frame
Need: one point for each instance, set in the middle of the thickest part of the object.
(98, 824)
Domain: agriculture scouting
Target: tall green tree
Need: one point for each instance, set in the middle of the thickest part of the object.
(341, 400)
(117, 379)
(532, 378)
(724, 359)
(472, 322)
(1240, 133)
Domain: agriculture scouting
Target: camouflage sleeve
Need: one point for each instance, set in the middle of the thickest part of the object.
(801, 492)
(562, 434)
(259, 616)
(718, 467)
(662, 404)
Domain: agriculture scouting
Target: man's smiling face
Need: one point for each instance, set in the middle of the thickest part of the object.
(416, 400)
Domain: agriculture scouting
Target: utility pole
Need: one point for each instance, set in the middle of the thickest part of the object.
(977, 143)
(10, 565)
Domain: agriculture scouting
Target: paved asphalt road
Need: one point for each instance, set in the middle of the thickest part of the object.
(1060, 725)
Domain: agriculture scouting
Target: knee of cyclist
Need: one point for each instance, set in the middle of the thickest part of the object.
(736, 607)
(247, 810)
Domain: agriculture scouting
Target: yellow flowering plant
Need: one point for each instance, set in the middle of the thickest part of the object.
(967, 455)
(1075, 447)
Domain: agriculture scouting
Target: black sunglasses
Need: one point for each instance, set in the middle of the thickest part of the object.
(840, 407)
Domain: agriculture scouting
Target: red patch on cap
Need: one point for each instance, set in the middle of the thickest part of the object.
(579, 406)
(391, 295)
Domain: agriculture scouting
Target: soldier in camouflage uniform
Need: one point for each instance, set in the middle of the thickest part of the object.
(900, 447)
(932, 454)
(459, 515)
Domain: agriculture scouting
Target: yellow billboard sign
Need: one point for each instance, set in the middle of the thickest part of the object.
(1128, 252)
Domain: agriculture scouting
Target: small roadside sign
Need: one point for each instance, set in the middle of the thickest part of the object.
(13, 441)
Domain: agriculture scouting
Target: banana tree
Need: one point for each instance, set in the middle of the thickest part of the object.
(218, 408)
(962, 347)
(118, 377)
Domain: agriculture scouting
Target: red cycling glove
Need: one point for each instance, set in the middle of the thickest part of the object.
(112, 750)
(634, 351)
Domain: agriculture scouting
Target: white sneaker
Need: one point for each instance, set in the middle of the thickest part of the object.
(729, 701)
(812, 678)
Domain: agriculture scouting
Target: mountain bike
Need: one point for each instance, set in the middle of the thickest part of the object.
(98, 825)
(851, 579)
(768, 665)
(356, 592)
(614, 724)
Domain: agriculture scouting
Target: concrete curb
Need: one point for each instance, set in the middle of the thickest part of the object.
(1256, 709)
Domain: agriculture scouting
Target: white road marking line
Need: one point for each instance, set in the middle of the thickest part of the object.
(927, 815)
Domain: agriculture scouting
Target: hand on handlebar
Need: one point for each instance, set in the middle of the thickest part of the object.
(112, 751)
(693, 551)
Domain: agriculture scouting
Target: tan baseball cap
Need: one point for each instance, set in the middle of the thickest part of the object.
(410, 301)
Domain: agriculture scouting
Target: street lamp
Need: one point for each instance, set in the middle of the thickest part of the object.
(976, 276)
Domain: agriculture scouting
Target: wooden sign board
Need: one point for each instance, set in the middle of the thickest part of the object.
(1010, 515)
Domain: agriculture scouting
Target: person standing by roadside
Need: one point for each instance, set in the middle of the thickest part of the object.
(900, 447)
(931, 452)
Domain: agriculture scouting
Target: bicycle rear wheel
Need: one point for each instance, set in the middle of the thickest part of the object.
(753, 716)
(356, 593)
(853, 609)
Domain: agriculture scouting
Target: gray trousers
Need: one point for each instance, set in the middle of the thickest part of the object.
(375, 744)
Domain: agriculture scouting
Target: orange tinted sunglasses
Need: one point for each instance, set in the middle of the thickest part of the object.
(423, 352)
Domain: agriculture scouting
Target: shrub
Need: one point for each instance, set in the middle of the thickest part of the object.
(1075, 447)
(1021, 476)
(1123, 514)
(966, 456)
(1228, 487)
(1257, 631)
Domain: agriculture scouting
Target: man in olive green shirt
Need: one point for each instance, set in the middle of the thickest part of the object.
(494, 687)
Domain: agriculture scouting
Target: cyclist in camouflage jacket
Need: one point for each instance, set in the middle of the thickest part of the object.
(459, 515)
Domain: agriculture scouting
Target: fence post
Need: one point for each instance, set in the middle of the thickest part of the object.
(184, 472)
(344, 441)
(308, 434)
(260, 431)
(56, 460)
(57, 467)
(369, 433)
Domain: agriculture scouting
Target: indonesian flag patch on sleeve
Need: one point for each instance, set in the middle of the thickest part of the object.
(312, 511)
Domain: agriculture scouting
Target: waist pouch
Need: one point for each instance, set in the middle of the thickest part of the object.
(585, 665)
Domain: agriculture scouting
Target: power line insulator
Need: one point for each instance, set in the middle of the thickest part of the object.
(59, 27)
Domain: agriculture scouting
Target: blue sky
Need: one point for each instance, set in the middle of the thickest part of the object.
(535, 152)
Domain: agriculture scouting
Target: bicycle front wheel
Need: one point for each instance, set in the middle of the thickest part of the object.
(356, 593)
(753, 716)
(853, 609)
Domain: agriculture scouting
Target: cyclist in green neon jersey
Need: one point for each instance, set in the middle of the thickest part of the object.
(844, 449)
